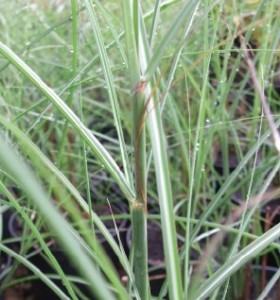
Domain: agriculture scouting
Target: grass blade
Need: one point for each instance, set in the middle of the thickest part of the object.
(185, 16)
(89, 138)
(236, 262)
(36, 271)
(139, 209)
(110, 86)
(33, 151)
(25, 178)
(162, 176)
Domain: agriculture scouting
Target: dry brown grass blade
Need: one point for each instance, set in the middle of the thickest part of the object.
(258, 87)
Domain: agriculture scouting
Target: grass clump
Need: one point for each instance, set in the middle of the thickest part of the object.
(123, 119)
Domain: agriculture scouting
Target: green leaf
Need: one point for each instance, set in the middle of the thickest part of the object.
(237, 262)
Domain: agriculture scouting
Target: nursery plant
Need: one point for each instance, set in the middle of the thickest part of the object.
(139, 149)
